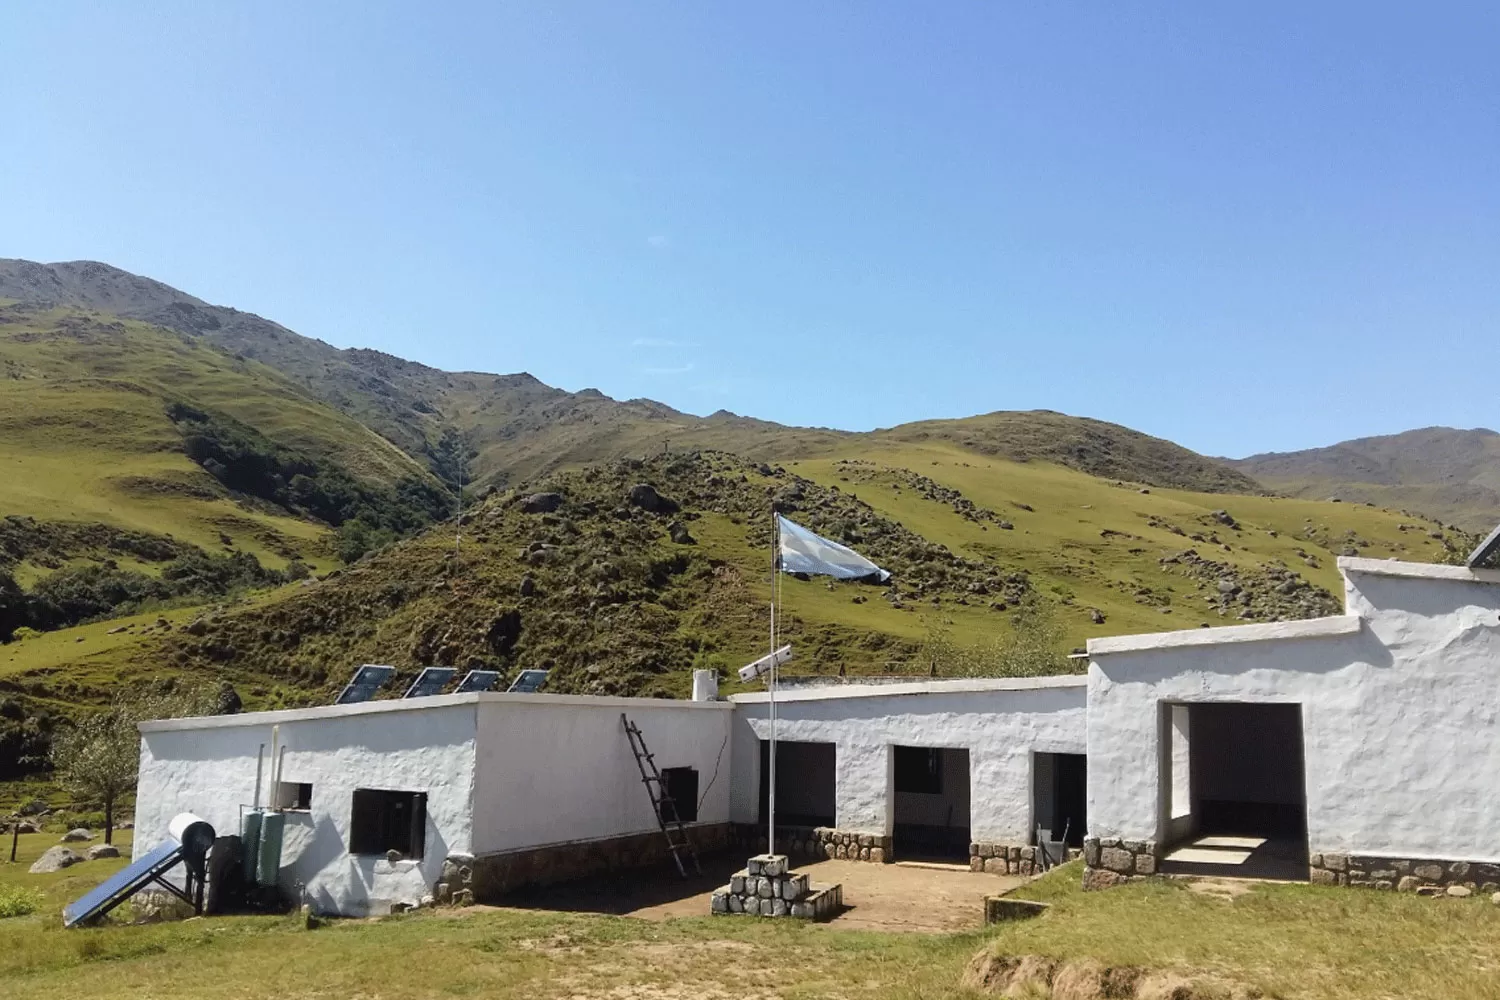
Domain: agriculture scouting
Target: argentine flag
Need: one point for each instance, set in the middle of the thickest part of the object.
(804, 552)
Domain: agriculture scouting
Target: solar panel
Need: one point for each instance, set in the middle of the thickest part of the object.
(528, 682)
(477, 680)
(1485, 551)
(429, 682)
(366, 681)
(124, 883)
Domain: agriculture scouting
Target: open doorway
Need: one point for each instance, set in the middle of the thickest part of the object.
(806, 779)
(1059, 792)
(1234, 790)
(931, 807)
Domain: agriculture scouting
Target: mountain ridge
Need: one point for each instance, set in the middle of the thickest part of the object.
(518, 427)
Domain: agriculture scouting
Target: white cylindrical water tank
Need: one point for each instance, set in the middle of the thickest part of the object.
(705, 685)
(193, 832)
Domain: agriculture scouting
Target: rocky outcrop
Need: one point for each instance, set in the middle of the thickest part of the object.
(55, 859)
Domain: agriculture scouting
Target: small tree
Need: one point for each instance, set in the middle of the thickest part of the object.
(99, 756)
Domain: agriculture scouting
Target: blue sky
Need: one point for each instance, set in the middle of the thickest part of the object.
(1254, 227)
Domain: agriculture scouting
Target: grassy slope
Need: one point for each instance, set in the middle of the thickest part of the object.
(1299, 942)
(408, 606)
(84, 435)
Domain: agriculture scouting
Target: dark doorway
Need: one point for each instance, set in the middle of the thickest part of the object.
(806, 775)
(1060, 797)
(1234, 790)
(931, 803)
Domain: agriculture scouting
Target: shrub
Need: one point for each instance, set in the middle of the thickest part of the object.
(17, 900)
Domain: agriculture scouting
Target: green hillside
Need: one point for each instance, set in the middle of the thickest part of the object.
(614, 604)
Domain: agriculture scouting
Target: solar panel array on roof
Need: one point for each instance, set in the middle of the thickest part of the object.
(1484, 554)
(366, 681)
(528, 682)
(430, 681)
(477, 680)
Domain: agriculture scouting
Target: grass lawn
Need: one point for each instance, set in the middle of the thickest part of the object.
(1286, 941)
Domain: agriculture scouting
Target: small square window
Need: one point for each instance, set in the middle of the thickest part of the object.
(296, 795)
(383, 821)
(680, 792)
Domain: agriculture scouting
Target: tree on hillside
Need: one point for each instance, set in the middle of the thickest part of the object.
(97, 758)
(1032, 648)
(12, 606)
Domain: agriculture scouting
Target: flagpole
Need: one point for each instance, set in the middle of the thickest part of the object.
(775, 576)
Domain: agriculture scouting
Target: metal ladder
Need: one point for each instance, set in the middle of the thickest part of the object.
(661, 802)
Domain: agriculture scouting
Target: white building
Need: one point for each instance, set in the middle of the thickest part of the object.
(1359, 749)
(475, 792)
(963, 769)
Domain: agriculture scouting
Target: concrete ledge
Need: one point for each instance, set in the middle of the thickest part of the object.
(1260, 632)
(1416, 571)
(998, 909)
(838, 691)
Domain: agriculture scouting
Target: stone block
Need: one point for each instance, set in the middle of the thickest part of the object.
(986, 850)
(778, 908)
(1458, 870)
(1460, 891)
(1091, 853)
(1100, 878)
(794, 887)
(1429, 872)
(1134, 846)
(754, 866)
(719, 902)
(1429, 890)
(1383, 875)
(1336, 862)
(763, 888)
(1384, 883)
(1117, 859)
(752, 906)
(976, 863)
(1315, 861)
(1110, 842)
(1322, 876)
(995, 866)
(1408, 883)
(1145, 863)
(1401, 867)
(877, 855)
(864, 853)
(802, 911)
(737, 882)
(1013, 853)
(1028, 854)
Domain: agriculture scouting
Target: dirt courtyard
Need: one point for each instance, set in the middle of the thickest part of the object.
(913, 897)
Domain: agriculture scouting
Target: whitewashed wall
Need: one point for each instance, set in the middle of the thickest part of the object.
(556, 769)
(1002, 723)
(1400, 700)
(207, 766)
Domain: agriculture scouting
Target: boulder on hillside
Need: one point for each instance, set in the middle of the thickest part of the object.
(541, 503)
(77, 835)
(680, 534)
(55, 859)
(103, 851)
(644, 496)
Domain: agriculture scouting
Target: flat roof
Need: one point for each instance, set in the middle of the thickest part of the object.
(390, 705)
(834, 692)
(1417, 571)
(1306, 628)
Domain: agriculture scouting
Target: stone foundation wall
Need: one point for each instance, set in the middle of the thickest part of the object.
(483, 878)
(1111, 861)
(1008, 859)
(1422, 876)
(817, 843)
